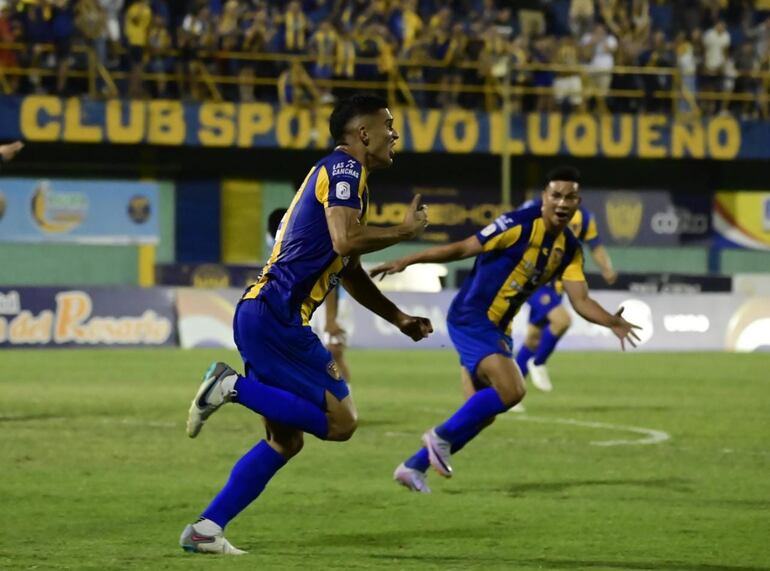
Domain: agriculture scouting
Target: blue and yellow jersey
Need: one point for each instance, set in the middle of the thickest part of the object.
(303, 266)
(518, 257)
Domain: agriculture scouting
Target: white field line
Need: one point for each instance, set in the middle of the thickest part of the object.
(650, 435)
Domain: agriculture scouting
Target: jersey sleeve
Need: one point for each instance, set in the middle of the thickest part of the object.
(502, 233)
(342, 184)
(574, 270)
(592, 233)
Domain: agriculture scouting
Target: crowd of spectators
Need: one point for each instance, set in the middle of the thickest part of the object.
(463, 51)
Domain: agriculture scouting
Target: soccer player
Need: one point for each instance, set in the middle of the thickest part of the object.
(515, 255)
(548, 318)
(334, 336)
(7, 152)
(290, 378)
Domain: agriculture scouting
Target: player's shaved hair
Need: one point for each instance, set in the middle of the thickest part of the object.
(565, 172)
(347, 109)
(274, 220)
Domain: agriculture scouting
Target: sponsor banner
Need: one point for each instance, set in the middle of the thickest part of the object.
(454, 212)
(115, 317)
(669, 321)
(205, 317)
(742, 218)
(650, 217)
(86, 211)
(207, 275)
(210, 124)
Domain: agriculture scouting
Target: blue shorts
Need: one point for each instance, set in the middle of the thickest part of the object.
(541, 303)
(478, 340)
(288, 356)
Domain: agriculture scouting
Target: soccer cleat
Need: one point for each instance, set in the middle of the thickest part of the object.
(439, 453)
(195, 542)
(413, 480)
(539, 376)
(210, 396)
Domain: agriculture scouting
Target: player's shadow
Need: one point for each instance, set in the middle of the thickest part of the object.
(525, 489)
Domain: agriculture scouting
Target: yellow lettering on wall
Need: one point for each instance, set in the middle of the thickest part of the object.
(729, 131)
(649, 136)
(423, 132)
(131, 133)
(25, 328)
(216, 124)
(622, 146)
(580, 135)
(289, 136)
(551, 143)
(253, 119)
(37, 128)
(688, 137)
(74, 129)
(497, 134)
(454, 143)
(72, 309)
(166, 123)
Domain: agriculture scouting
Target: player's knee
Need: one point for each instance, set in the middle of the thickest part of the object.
(342, 427)
(511, 394)
(288, 445)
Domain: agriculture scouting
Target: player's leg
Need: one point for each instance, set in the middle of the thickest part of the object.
(529, 347)
(559, 322)
(342, 417)
(412, 473)
(505, 389)
(247, 480)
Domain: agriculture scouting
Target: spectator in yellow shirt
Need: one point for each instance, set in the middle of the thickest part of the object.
(136, 27)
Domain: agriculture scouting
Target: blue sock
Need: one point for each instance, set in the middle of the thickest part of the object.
(484, 404)
(524, 355)
(249, 477)
(420, 460)
(547, 344)
(282, 406)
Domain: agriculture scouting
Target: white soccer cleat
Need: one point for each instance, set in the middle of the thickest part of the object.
(539, 376)
(195, 542)
(215, 390)
(439, 453)
(413, 480)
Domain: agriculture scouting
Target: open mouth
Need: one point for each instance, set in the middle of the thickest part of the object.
(562, 215)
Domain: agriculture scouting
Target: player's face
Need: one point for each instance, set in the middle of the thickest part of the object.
(382, 139)
(561, 199)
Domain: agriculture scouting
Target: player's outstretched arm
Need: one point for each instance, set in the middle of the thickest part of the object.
(7, 152)
(602, 259)
(590, 310)
(351, 238)
(455, 251)
(363, 290)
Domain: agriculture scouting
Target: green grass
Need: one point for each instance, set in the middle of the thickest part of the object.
(98, 474)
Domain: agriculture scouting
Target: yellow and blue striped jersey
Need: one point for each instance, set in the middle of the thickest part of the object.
(303, 266)
(518, 257)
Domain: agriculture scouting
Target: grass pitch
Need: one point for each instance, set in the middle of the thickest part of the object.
(97, 472)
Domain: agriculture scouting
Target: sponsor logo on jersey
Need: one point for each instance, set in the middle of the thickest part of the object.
(342, 190)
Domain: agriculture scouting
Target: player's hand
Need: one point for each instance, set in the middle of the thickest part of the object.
(415, 327)
(610, 276)
(335, 335)
(387, 269)
(624, 330)
(9, 151)
(416, 217)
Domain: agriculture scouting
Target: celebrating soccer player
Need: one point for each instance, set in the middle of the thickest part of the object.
(515, 255)
(548, 318)
(290, 378)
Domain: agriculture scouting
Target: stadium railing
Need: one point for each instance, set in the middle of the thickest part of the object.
(201, 69)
